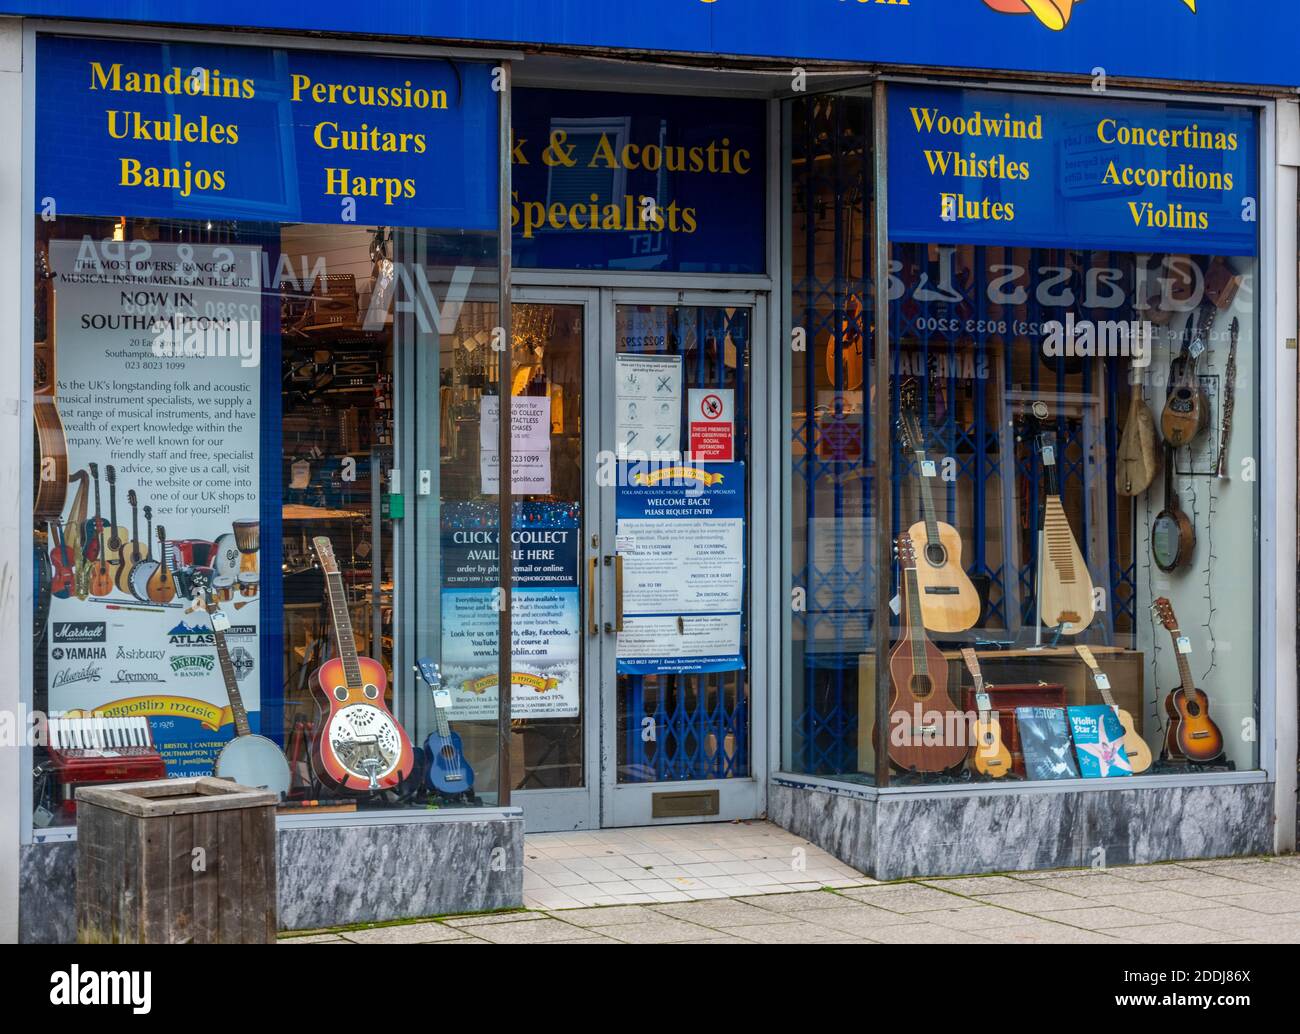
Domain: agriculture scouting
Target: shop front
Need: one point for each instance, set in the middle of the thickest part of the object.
(893, 452)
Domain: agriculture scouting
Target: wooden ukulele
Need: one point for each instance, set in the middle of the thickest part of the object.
(1173, 538)
(101, 575)
(991, 757)
(1137, 460)
(923, 720)
(948, 599)
(1192, 733)
(1065, 594)
(1135, 747)
(161, 586)
(248, 759)
(116, 536)
(357, 745)
(1187, 410)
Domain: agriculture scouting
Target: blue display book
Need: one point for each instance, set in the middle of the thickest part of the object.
(1099, 742)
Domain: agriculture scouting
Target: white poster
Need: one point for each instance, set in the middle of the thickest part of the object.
(158, 368)
(648, 402)
(682, 566)
(530, 445)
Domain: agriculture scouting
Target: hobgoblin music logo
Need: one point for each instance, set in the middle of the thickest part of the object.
(79, 631)
(68, 676)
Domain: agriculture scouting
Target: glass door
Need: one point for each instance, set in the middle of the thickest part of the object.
(682, 723)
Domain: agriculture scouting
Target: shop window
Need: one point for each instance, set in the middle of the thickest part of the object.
(261, 439)
(1071, 415)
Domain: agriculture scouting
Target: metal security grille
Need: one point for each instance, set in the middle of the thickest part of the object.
(943, 325)
(700, 723)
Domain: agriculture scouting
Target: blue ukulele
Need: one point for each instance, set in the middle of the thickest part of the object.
(448, 771)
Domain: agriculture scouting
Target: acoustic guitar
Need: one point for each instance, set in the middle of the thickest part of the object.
(1065, 593)
(1192, 733)
(852, 353)
(923, 720)
(991, 756)
(948, 599)
(132, 553)
(101, 575)
(115, 536)
(1187, 409)
(248, 759)
(50, 442)
(1135, 747)
(358, 746)
(448, 772)
(1138, 458)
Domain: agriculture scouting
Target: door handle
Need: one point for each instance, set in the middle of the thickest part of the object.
(617, 561)
(593, 623)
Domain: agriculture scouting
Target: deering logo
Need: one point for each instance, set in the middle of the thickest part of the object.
(123, 987)
(193, 664)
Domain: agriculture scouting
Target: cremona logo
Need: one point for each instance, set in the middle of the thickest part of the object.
(1055, 14)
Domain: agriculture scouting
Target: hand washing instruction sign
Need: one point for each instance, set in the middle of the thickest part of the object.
(681, 534)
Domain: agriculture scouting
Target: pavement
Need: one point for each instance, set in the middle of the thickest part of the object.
(813, 899)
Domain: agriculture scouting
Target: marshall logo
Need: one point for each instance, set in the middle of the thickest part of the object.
(195, 664)
(186, 635)
(68, 676)
(79, 631)
(78, 653)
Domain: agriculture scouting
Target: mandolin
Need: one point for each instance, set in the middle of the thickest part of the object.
(1187, 409)
(1065, 593)
(448, 771)
(357, 745)
(161, 586)
(991, 757)
(1135, 747)
(948, 599)
(924, 723)
(248, 759)
(1192, 733)
(1173, 538)
(101, 575)
(1137, 461)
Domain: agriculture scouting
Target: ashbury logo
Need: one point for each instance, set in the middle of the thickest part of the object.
(121, 987)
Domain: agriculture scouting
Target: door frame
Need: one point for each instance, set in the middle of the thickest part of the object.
(601, 802)
(631, 804)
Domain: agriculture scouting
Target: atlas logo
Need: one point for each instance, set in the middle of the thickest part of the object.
(79, 631)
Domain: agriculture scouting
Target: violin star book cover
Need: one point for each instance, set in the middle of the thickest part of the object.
(1099, 742)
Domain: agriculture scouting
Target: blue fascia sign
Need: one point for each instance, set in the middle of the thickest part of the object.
(186, 131)
(979, 167)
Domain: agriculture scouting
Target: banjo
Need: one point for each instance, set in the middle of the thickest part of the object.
(1173, 538)
(248, 759)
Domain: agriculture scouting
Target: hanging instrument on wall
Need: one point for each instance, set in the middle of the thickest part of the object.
(1135, 747)
(1065, 594)
(1173, 538)
(358, 745)
(1229, 402)
(50, 442)
(948, 599)
(1187, 409)
(1137, 461)
(922, 716)
(991, 757)
(1191, 733)
(847, 347)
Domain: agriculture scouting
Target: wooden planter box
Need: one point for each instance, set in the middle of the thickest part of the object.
(176, 861)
